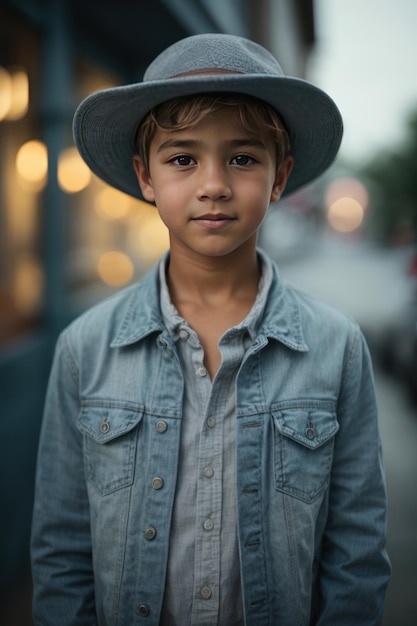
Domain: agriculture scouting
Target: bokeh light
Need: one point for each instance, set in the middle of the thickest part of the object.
(115, 268)
(112, 204)
(73, 174)
(150, 238)
(5, 92)
(346, 201)
(32, 164)
(345, 215)
(14, 94)
(20, 95)
(28, 285)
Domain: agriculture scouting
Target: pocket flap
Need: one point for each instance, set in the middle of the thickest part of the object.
(309, 427)
(105, 423)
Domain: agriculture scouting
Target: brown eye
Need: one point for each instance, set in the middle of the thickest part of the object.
(242, 160)
(183, 160)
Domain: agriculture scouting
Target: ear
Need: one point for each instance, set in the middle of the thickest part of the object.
(144, 178)
(281, 179)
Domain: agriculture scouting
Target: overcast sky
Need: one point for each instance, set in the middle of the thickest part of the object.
(366, 59)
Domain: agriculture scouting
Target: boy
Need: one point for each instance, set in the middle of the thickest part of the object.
(210, 450)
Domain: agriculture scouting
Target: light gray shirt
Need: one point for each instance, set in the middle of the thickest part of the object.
(203, 586)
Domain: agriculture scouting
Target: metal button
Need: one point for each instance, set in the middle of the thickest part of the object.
(183, 334)
(157, 483)
(208, 524)
(161, 426)
(205, 593)
(211, 421)
(105, 426)
(150, 533)
(201, 372)
(310, 432)
(208, 472)
(143, 610)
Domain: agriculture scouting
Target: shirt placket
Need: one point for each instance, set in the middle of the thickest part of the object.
(209, 502)
(211, 485)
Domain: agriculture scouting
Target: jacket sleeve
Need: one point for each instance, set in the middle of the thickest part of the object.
(63, 585)
(355, 568)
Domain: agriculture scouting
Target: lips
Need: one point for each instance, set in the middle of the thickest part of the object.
(214, 217)
(214, 220)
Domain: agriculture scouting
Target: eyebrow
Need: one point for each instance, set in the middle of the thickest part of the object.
(188, 144)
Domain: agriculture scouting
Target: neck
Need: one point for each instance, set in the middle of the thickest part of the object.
(213, 279)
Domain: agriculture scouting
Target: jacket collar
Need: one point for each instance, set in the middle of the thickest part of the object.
(281, 321)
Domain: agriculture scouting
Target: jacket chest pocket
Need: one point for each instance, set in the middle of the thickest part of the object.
(109, 446)
(303, 451)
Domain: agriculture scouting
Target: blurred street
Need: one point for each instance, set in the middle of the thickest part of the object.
(372, 285)
(398, 424)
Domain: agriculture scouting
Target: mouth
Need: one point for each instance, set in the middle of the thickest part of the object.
(214, 220)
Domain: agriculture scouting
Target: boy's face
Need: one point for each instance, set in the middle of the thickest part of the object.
(212, 183)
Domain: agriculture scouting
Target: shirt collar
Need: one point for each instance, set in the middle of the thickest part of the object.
(140, 311)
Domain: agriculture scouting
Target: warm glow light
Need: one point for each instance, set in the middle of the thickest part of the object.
(5, 93)
(14, 94)
(73, 174)
(112, 204)
(20, 95)
(347, 188)
(152, 238)
(32, 163)
(28, 284)
(345, 215)
(115, 268)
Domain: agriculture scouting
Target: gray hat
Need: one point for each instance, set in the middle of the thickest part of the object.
(106, 122)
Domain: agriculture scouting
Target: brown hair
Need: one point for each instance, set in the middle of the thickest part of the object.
(187, 111)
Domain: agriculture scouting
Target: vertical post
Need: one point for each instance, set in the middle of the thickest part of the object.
(56, 108)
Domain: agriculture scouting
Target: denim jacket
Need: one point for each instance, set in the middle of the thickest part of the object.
(311, 493)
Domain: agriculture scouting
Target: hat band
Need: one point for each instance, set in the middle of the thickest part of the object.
(209, 70)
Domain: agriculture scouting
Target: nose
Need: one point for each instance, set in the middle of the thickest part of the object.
(214, 183)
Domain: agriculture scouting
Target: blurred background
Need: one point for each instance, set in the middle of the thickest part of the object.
(68, 240)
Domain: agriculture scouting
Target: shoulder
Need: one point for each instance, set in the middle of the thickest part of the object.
(318, 323)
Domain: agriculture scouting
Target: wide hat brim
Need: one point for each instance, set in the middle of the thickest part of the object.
(106, 122)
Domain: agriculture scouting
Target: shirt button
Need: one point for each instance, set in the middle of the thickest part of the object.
(143, 610)
(208, 524)
(310, 433)
(184, 334)
(161, 426)
(211, 422)
(201, 372)
(157, 483)
(150, 533)
(208, 472)
(205, 593)
(105, 426)
(163, 344)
